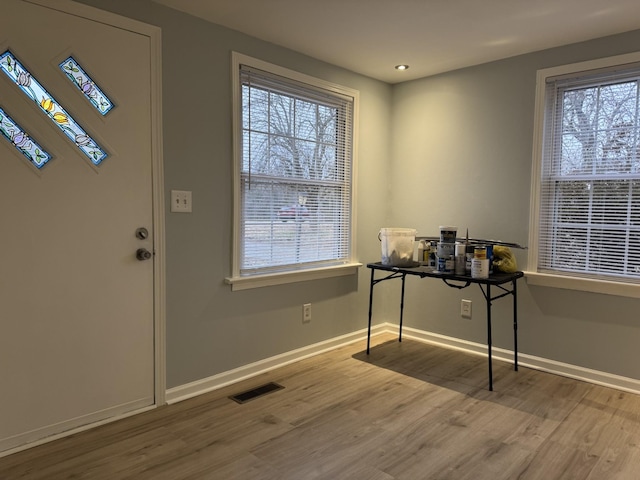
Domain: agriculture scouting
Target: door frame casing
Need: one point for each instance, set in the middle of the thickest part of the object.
(153, 33)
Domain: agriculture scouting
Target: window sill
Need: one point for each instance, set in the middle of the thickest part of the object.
(583, 284)
(257, 281)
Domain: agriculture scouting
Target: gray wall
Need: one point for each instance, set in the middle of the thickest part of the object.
(462, 144)
(449, 149)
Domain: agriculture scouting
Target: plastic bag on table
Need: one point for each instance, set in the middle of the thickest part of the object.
(504, 260)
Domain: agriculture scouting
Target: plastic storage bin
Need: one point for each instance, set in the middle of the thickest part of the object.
(397, 246)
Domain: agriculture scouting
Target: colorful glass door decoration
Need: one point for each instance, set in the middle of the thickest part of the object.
(22, 141)
(58, 115)
(74, 72)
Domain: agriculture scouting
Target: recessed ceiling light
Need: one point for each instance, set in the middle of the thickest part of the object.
(402, 67)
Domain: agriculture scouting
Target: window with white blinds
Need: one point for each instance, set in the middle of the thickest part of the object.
(295, 170)
(589, 200)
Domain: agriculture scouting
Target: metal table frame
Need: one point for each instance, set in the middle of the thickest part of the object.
(498, 280)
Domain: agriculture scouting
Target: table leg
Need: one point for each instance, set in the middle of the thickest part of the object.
(515, 326)
(404, 275)
(370, 310)
(489, 336)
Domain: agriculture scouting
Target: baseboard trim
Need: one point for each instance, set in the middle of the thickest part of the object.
(230, 377)
(50, 433)
(215, 382)
(597, 377)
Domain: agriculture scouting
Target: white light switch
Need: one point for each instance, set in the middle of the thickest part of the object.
(180, 201)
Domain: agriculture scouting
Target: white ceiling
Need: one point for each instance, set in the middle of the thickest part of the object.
(432, 36)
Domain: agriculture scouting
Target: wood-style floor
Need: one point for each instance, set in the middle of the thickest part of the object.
(408, 411)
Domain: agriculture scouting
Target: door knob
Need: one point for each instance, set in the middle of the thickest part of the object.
(143, 254)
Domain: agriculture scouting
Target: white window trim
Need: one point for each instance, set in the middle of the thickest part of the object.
(237, 281)
(267, 280)
(583, 284)
(546, 279)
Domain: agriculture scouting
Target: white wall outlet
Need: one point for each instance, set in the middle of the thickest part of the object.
(465, 308)
(306, 313)
(180, 201)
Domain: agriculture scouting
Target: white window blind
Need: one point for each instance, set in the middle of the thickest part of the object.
(295, 174)
(589, 217)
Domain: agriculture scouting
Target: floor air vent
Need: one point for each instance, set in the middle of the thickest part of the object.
(255, 392)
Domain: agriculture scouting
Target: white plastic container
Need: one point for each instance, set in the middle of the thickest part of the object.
(397, 246)
(446, 250)
(445, 253)
(448, 234)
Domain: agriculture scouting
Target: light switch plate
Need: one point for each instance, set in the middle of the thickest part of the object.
(180, 201)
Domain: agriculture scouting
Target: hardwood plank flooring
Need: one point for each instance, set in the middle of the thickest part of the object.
(408, 411)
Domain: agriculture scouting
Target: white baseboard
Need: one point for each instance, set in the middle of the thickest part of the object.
(230, 377)
(40, 436)
(605, 379)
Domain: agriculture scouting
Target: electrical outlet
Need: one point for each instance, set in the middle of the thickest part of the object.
(306, 313)
(465, 308)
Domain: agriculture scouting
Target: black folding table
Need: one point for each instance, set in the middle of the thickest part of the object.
(505, 282)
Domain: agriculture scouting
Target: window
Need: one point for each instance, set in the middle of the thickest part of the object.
(294, 164)
(586, 216)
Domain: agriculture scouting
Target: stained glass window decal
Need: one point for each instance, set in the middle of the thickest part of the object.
(22, 141)
(58, 115)
(74, 72)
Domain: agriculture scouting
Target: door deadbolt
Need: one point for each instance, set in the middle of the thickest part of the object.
(142, 233)
(143, 254)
